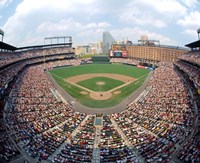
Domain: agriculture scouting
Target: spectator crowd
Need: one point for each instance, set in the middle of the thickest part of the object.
(154, 127)
(10, 57)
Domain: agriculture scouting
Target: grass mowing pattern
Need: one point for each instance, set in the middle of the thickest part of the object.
(70, 71)
(60, 74)
(92, 84)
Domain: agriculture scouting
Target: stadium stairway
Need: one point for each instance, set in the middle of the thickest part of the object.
(127, 142)
(96, 150)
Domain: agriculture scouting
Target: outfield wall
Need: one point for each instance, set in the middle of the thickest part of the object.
(100, 59)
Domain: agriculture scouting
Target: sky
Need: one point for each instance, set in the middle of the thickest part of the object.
(28, 22)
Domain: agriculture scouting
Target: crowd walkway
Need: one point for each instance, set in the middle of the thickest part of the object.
(127, 142)
(96, 150)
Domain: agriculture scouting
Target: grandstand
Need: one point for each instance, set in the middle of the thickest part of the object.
(39, 125)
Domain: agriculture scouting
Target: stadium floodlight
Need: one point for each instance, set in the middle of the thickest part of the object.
(58, 39)
(1, 33)
(198, 31)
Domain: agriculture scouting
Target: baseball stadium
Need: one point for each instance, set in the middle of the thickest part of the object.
(139, 103)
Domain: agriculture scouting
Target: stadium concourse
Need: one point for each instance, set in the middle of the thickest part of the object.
(37, 125)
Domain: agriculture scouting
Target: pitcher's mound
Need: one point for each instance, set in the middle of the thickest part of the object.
(100, 83)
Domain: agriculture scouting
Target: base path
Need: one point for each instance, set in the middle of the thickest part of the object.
(115, 109)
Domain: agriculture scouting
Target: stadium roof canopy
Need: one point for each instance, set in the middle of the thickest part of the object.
(43, 46)
(194, 44)
(5, 46)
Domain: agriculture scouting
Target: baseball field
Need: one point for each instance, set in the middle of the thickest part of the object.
(100, 85)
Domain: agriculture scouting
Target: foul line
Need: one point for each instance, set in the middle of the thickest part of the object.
(61, 79)
(136, 81)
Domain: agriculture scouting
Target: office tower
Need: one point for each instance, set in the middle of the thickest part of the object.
(108, 40)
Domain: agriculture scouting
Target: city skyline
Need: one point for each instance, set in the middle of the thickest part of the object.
(172, 22)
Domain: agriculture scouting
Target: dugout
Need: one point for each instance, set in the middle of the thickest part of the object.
(100, 59)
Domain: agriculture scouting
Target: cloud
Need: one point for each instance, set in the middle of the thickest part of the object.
(5, 3)
(98, 25)
(60, 26)
(86, 20)
(190, 20)
(45, 16)
(191, 3)
(156, 13)
(77, 29)
(68, 25)
(190, 32)
(168, 6)
(135, 33)
(64, 6)
(190, 23)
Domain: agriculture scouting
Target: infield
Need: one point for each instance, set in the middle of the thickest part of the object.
(99, 82)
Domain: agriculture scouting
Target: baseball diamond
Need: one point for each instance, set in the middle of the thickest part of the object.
(100, 85)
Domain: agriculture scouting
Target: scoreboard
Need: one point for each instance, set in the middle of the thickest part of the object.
(118, 51)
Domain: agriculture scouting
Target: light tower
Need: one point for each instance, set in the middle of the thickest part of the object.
(198, 31)
(58, 38)
(2, 34)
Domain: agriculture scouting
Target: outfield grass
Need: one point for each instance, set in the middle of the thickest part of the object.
(70, 71)
(108, 84)
(62, 73)
(89, 56)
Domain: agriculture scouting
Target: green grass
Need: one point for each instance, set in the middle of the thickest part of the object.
(60, 74)
(92, 84)
(70, 71)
